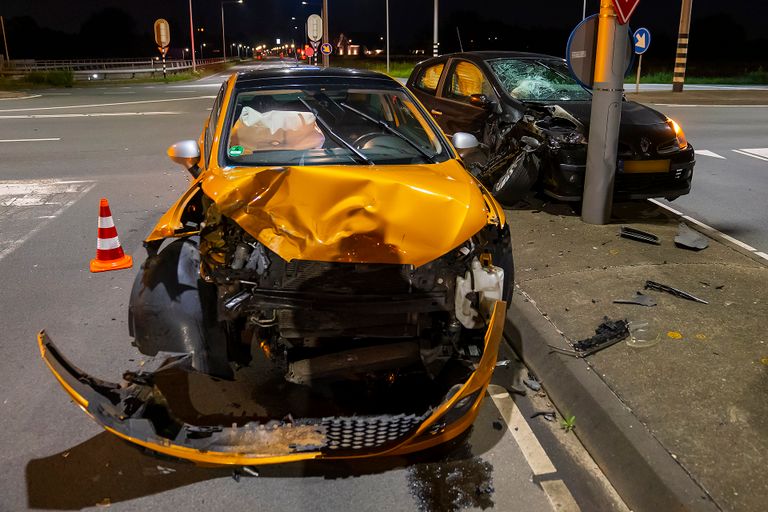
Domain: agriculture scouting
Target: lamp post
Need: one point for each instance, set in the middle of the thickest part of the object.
(192, 36)
(223, 36)
(202, 45)
(387, 17)
(435, 43)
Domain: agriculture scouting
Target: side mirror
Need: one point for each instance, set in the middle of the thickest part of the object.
(480, 100)
(186, 153)
(463, 140)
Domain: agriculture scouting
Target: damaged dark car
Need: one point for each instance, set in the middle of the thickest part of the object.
(532, 118)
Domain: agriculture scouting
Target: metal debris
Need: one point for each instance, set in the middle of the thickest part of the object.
(250, 471)
(640, 236)
(639, 299)
(688, 238)
(503, 364)
(548, 415)
(652, 285)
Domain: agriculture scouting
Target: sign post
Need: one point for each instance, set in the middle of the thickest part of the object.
(642, 41)
(163, 39)
(326, 34)
(314, 32)
(607, 100)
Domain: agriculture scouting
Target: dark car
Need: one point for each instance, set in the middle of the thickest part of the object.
(533, 120)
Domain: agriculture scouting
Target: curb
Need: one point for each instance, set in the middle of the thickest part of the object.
(641, 470)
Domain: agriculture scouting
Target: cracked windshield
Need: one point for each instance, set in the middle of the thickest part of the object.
(538, 80)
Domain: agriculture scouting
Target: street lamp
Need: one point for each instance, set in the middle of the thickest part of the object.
(192, 36)
(202, 45)
(223, 37)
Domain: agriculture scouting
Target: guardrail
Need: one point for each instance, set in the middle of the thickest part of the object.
(92, 69)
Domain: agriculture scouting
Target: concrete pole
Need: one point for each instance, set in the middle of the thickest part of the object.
(387, 16)
(681, 59)
(584, 11)
(612, 41)
(435, 42)
(326, 58)
(223, 36)
(192, 36)
(5, 41)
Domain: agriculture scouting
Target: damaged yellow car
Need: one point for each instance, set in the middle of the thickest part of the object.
(333, 257)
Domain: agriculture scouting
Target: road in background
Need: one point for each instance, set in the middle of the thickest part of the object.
(64, 150)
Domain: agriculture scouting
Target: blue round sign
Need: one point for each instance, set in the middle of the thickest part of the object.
(326, 49)
(641, 40)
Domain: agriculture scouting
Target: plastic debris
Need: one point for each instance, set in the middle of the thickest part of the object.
(688, 238)
(503, 364)
(607, 334)
(652, 285)
(532, 383)
(641, 336)
(639, 299)
(639, 236)
(250, 471)
(548, 415)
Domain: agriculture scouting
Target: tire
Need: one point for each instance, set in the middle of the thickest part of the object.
(166, 311)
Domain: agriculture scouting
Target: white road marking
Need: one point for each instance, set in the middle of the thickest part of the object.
(712, 106)
(33, 196)
(557, 492)
(94, 114)
(28, 97)
(30, 140)
(759, 153)
(709, 228)
(92, 105)
(706, 152)
(762, 255)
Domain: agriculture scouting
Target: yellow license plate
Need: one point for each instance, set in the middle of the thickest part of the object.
(645, 166)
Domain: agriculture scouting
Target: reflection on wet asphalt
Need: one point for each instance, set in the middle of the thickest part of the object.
(459, 482)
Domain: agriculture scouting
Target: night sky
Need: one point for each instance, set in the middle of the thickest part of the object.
(719, 28)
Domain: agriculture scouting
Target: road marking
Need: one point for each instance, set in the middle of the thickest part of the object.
(92, 105)
(759, 153)
(30, 140)
(557, 492)
(94, 114)
(762, 255)
(712, 106)
(28, 97)
(34, 197)
(709, 228)
(706, 152)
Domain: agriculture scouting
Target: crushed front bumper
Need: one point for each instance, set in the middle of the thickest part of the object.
(124, 410)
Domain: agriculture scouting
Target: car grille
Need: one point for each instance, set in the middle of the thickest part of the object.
(367, 433)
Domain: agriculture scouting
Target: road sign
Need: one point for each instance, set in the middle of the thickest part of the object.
(162, 33)
(624, 9)
(326, 48)
(642, 40)
(315, 27)
(309, 51)
(581, 50)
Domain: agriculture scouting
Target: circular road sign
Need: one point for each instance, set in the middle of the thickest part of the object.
(326, 48)
(641, 40)
(582, 48)
(314, 27)
(162, 33)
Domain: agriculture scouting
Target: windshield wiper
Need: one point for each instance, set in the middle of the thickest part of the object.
(336, 136)
(391, 130)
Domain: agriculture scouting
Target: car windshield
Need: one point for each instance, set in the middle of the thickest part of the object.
(327, 125)
(538, 80)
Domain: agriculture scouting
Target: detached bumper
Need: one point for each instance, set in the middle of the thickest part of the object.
(130, 410)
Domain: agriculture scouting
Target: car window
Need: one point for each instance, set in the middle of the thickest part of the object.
(465, 80)
(538, 80)
(429, 78)
(212, 120)
(329, 125)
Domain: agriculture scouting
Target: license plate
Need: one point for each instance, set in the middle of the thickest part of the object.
(643, 166)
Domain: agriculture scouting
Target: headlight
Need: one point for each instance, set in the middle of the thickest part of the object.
(682, 142)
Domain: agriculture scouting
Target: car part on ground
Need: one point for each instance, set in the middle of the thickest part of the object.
(652, 285)
(639, 235)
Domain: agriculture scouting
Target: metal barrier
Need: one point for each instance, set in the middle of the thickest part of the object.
(91, 69)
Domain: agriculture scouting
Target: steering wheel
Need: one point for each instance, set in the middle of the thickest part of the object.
(364, 139)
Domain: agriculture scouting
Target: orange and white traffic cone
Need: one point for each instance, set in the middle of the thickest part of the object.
(109, 253)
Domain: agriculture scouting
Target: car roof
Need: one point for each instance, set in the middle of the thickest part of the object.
(313, 74)
(495, 54)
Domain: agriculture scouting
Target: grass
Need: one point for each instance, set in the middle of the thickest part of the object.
(757, 77)
(59, 78)
(397, 68)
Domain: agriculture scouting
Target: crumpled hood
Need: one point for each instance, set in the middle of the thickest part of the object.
(409, 214)
(632, 113)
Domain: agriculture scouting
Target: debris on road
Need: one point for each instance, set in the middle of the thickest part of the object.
(532, 383)
(638, 235)
(503, 364)
(548, 415)
(652, 285)
(639, 299)
(165, 470)
(250, 471)
(688, 238)
(607, 334)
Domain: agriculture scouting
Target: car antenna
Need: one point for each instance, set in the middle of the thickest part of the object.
(458, 34)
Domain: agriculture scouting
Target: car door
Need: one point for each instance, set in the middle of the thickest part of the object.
(425, 85)
(458, 113)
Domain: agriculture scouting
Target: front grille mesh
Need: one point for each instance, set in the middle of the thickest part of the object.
(366, 433)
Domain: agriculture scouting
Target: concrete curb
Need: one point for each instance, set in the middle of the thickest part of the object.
(637, 465)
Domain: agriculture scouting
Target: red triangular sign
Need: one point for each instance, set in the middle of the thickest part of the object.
(624, 9)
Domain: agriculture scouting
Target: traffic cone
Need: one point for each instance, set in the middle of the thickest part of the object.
(109, 253)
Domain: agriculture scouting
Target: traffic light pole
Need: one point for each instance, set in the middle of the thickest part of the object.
(608, 93)
(681, 59)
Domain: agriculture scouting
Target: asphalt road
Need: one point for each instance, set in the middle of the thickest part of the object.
(62, 150)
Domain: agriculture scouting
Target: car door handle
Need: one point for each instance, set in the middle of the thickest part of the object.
(435, 112)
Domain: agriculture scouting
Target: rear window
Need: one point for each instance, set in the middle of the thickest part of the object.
(430, 77)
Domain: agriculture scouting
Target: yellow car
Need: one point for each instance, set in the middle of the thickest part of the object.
(333, 254)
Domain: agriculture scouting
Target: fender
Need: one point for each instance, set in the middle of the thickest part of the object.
(172, 223)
